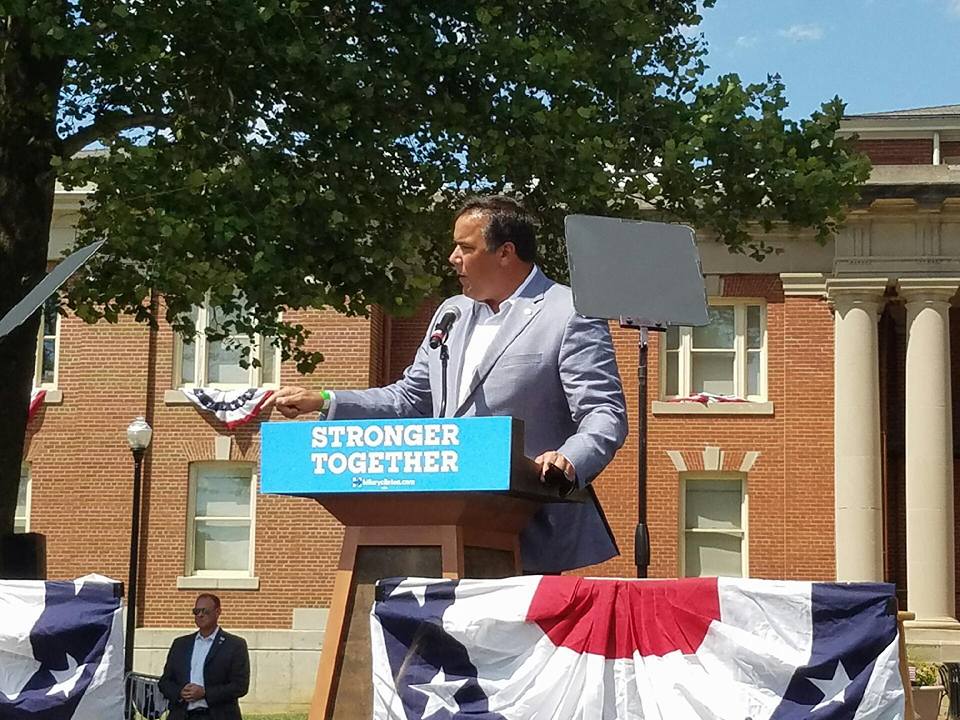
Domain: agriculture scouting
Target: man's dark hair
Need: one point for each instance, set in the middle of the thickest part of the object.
(212, 598)
(509, 222)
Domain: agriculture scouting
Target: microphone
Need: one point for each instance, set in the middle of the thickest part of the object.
(442, 329)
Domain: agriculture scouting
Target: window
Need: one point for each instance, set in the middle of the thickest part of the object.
(216, 363)
(48, 341)
(21, 518)
(713, 537)
(220, 519)
(726, 357)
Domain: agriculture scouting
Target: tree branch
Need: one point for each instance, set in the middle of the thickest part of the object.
(110, 124)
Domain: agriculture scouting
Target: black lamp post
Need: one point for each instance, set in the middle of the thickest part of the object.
(138, 435)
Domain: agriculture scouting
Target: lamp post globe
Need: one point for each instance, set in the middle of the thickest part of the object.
(139, 434)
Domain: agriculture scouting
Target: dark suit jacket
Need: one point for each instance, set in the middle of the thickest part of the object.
(226, 675)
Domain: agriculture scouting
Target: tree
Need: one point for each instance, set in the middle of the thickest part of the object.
(309, 153)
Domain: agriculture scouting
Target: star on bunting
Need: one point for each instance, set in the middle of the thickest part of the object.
(66, 679)
(440, 692)
(416, 587)
(832, 689)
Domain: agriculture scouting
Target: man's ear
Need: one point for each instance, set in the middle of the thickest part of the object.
(507, 252)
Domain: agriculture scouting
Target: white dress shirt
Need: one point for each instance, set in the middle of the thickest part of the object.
(201, 648)
(487, 324)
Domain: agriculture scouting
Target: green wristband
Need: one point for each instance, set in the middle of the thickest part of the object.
(325, 401)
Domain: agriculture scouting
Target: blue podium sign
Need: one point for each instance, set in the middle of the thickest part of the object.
(363, 456)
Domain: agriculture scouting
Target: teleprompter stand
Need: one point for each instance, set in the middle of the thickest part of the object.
(646, 275)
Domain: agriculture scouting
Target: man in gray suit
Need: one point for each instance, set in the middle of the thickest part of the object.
(518, 348)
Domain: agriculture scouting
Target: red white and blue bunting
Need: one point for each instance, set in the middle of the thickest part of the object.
(36, 400)
(232, 407)
(707, 398)
(531, 647)
(62, 648)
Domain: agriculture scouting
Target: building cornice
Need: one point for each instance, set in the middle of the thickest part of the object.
(928, 288)
(922, 195)
(69, 200)
(857, 290)
(917, 123)
(804, 284)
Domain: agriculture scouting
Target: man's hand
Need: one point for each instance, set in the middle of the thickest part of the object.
(191, 692)
(554, 459)
(294, 401)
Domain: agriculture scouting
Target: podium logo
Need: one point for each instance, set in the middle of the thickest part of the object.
(362, 482)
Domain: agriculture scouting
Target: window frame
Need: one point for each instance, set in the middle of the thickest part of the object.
(201, 344)
(24, 468)
(38, 358)
(190, 557)
(743, 533)
(685, 351)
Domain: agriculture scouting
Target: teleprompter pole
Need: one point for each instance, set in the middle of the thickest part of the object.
(641, 535)
(641, 538)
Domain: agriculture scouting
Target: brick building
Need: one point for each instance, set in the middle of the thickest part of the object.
(839, 464)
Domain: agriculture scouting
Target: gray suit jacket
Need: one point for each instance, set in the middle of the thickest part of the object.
(553, 369)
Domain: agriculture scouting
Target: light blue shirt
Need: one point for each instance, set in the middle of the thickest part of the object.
(201, 648)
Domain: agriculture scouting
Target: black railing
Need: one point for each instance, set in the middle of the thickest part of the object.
(950, 677)
(144, 701)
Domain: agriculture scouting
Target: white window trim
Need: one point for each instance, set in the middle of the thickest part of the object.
(29, 498)
(743, 533)
(38, 363)
(200, 344)
(203, 582)
(684, 370)
(190, 570)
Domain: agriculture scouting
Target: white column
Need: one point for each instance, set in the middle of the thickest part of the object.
(857, 462)
(929, 450)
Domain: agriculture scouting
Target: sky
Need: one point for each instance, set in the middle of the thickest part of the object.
(877, 55)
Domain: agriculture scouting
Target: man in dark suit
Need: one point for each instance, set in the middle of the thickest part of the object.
(208, 671)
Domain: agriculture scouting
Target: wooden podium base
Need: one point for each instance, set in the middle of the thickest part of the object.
(468, 537)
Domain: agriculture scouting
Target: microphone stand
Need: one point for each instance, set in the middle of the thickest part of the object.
(444, 358)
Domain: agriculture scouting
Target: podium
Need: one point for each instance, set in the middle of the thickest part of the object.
(439, 497)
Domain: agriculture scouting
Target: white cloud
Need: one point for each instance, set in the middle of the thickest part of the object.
(746, 41)
(806, 33)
